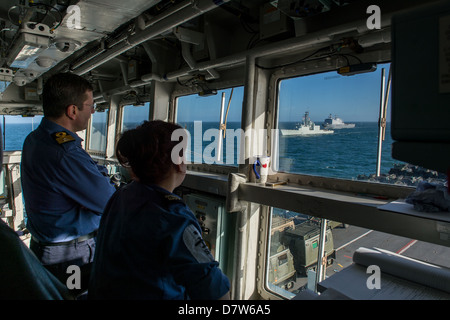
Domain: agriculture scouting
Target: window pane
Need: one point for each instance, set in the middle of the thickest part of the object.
(3, 188)
(134, 115)
(342, 151)
(16, 130)
(341, 136)
(296, 237)
(200, 117)
(294, 251)
(98, 132)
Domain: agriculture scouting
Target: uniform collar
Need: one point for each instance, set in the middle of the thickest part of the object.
(52, 127)
(160, 190)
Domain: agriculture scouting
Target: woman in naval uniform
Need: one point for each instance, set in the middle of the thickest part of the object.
(149, 243)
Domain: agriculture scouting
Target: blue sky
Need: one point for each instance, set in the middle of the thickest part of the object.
(195, 107)
(352, 98)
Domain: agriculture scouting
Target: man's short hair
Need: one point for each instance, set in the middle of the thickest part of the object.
(61, 90)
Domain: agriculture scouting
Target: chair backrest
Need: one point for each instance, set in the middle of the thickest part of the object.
(22, 276)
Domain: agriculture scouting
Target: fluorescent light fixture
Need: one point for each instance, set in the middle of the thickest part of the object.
(26, 49)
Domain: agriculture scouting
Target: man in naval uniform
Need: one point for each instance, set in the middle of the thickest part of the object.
(64, 190)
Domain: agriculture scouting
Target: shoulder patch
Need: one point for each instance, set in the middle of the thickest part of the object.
(62, 137)
(196, 245)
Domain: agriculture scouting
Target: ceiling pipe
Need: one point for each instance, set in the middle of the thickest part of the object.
(150, 54)
(180, 17)
(151, 76)
(124, 69)
(100, 88)
(139, 83)
(153, 60)
(165, 14)
(85, 59)
(186, 53)
(104, 96)
(100, 49)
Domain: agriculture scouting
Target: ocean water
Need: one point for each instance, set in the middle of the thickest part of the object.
(14, 134)
(346, 153)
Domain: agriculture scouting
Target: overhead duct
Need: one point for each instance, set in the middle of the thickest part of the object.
(186, 44)
(195, 9)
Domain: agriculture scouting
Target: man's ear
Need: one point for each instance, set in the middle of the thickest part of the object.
(71, 111)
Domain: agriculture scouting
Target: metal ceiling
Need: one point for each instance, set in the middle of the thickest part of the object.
(99, 30)
(74, 26)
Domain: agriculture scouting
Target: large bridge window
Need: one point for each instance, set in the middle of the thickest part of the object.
(337, 128)
(329, 125)
(200, 115)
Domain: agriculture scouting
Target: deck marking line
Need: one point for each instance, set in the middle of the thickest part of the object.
(406, 247)
(357, 238)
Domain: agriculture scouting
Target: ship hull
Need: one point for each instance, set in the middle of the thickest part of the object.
(304, 132)
(340, 126)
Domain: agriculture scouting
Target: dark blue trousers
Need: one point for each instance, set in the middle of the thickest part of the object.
(58, 258)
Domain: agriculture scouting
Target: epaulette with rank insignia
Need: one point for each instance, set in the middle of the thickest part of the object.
(62, 137)
(171, 197)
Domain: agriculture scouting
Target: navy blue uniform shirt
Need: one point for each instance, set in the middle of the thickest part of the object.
(149, 246)
(64, 190)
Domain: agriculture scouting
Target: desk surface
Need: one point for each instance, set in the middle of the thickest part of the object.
(352, 282)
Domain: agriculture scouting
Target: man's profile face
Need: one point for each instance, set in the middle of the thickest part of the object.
(85, 111)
